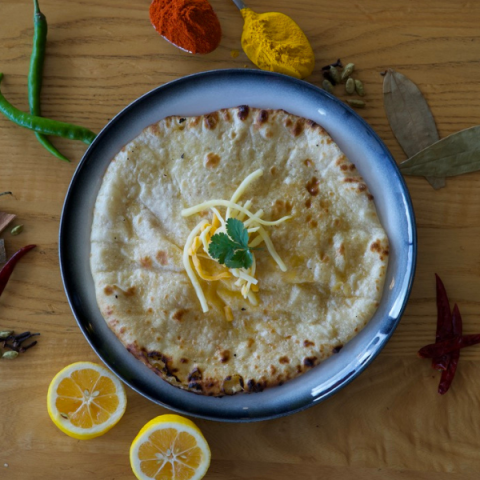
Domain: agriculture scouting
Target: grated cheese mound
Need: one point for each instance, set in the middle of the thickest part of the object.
(196, 247)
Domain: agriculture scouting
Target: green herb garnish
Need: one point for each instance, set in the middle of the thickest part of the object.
(231, 248)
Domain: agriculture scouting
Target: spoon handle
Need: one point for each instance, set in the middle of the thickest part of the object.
(239, 4)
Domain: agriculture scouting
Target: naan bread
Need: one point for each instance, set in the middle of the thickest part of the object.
(334, 247)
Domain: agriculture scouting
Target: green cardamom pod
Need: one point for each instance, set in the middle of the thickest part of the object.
(5, 333)
(356, 103)
(17, 230)
(347, 71)
(10, 355)
(327, 86)
(359, 87)
(350, 86)
(334, 74)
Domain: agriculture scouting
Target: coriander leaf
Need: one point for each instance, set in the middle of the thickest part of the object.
(239, 259)
(232, 250)
(237, 232)
(220, 246)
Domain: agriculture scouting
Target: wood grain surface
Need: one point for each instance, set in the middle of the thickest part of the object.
(389, 423)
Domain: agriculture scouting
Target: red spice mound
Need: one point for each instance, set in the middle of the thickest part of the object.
(189, 24)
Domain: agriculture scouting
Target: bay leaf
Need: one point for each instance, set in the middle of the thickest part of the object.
(410, 117)
(453, 155)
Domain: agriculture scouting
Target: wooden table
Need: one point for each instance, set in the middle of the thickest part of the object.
(388, 423)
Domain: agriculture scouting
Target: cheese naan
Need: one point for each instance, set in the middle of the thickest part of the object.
(334, 247)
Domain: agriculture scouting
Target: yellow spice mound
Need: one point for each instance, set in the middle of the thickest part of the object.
(274, 42)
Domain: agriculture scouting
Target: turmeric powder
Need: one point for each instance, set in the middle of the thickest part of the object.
(274, 42)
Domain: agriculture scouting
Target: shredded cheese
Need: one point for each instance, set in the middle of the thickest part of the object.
(189, 269)
(243, 186)
(199, 239)
(228, 313)
(187, 212)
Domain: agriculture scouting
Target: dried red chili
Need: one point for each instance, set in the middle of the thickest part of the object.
(448, 346)
(449, 372)
(8, 268)
(444, 323)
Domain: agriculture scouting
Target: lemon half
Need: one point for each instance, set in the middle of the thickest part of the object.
(85, 400)
(170, 447)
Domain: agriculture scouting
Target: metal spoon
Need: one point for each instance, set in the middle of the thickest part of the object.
(239, 4)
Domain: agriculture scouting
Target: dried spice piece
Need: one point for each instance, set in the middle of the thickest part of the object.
(449, 373)
(3, 252)
(5, 220)
(444, 323)
(456, 154)
(338, 63)
(359, 87)
(17, 230)
(350, 86)
(14, 342)
(347, 71)
(335, 74)
(8, 268)
(5, 333)
(448, 346)
(6, 193)
(10, 355)
(410, 117)
(327, 85)
(355, 103)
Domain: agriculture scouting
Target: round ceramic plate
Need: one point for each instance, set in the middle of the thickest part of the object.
(203, 93)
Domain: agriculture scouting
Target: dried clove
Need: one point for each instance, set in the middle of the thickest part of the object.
(14, 342)
(338, 63)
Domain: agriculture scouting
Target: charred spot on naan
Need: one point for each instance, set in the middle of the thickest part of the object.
(310, 361)
(281, 208)
(146, 262)
(210, 120)
(380, 248)
(162, 257)
(211, 160)
(242, 112)
(313, 186)
(232, 384)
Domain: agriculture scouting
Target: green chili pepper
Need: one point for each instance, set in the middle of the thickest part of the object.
(35, 74)
(44, 125)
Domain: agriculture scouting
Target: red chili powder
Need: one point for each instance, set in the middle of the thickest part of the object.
(189, 24)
